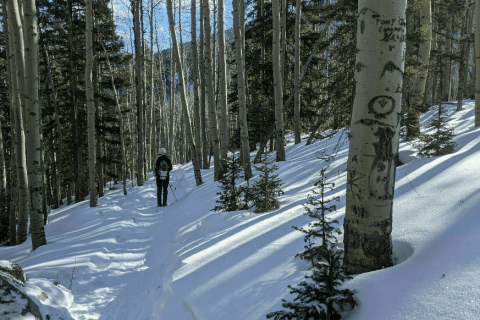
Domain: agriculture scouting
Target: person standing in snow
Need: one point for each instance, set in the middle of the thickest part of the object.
(162, 167)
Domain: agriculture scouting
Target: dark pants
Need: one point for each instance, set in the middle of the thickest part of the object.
(162, 185)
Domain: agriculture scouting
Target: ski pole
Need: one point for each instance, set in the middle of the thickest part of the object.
(172, 192)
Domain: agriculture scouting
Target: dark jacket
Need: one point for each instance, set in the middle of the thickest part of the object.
(156, 163)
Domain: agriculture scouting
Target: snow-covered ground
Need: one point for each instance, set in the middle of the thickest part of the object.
(128, 259)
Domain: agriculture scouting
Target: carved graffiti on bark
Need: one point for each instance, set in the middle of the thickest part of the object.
(380, 181)
(390, 66)
(381, 106)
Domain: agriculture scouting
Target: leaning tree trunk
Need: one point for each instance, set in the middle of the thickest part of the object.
(139, 92)
(242, 112)
(296, 102)
(413, 120)
(277, 82)
(196, 97)
(90, 103)
(17, 67)
(210, 91)
(122, 129)
(374, 135)
(183, 96)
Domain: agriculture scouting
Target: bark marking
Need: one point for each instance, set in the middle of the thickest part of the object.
(380, 182)
(390, 66)
(381, 106)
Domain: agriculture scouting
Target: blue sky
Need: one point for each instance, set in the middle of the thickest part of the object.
(123, 20)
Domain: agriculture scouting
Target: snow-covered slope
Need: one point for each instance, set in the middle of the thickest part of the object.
(128, 259)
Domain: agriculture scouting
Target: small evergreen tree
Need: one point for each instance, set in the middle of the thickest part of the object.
(320, 296)
(440, 142)
(265, 191)
(231, 195)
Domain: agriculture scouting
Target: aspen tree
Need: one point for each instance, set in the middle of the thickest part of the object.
(413, 120)
(203, 96)
(374, 135)
(296, 102)
(90, 103)
(196, 97)
(241, 89)
(209, 79)
(139, 92)
(278, 82)
(17, 67)
(447, 70)
(477, 63)
(222, 81)
(183, 95)
(171, 139)
(465, 55)
(152, 123)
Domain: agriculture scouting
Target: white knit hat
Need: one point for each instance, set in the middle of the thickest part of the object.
(162, 151)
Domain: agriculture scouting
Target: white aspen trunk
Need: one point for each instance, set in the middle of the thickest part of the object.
(477, 63)
(210, 91)
(183, 97)
(196, 97)
(203, 97)
(296, 98)
(469, 57)
(152, 95)
(146, 127)
(374, 135)
(139, 92)
(163, 102)
(464, 56)
(413, 120)
(447, 71)
(242, 103)
(428, 95)
(17, 67)
(222, 78)
(90, 103)
(277, 79)
(34, 146)
(171, 139)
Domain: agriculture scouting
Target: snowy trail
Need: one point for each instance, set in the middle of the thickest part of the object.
(128, 259)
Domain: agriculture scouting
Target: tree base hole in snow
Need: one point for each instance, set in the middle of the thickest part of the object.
(402, 251)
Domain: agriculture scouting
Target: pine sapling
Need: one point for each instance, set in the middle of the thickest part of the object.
(320, 296)
(437, 143)
(265, 190)
(231, 195)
